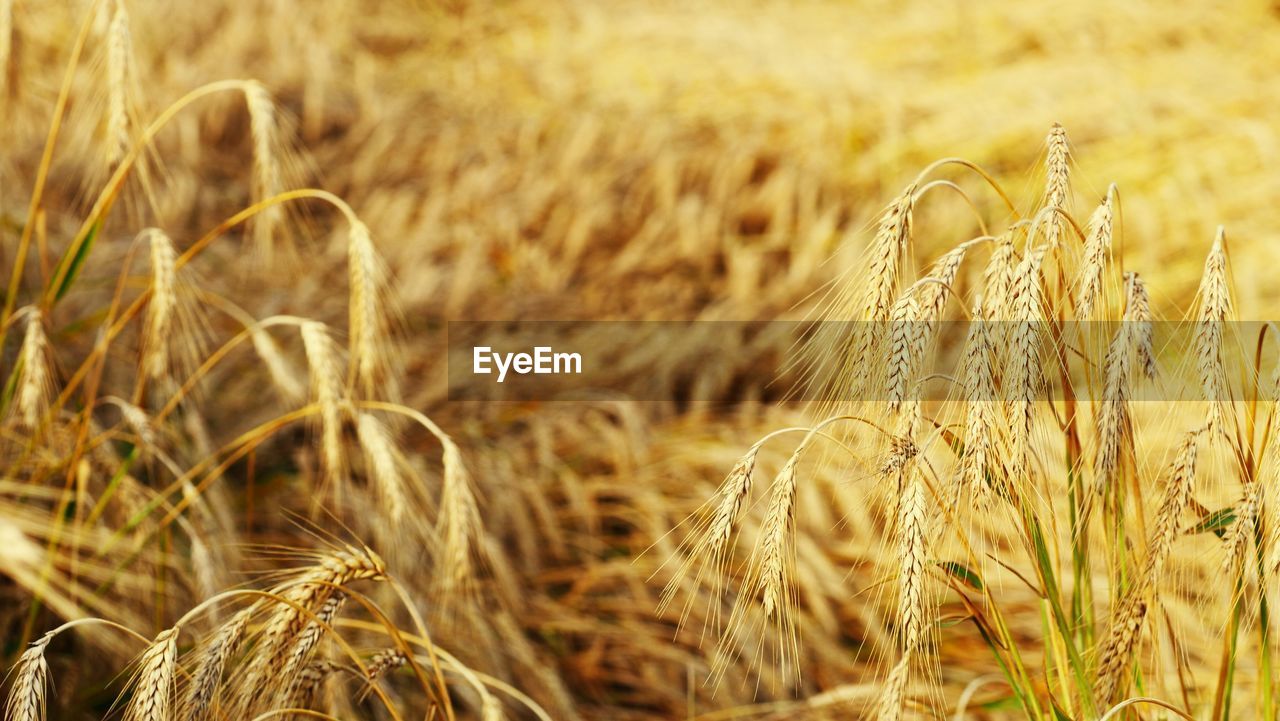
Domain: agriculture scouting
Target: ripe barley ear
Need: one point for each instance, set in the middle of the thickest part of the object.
(1215, 306)
(154, 688)
(118, 51)
(26, 700)
(1057, 189)
(264, 129)
(459, 525)
(1097, 248)
(775, 556)
(35, 379)
(1127, 621)
(162, 308)
(369, 314)
(326, 390)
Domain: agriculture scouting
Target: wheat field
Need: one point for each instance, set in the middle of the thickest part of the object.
(999, 444)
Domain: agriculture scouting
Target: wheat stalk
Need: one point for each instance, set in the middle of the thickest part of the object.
(283, 376)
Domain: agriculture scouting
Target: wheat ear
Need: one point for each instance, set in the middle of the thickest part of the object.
(888, 247)
(305, 597)
(1127, 621)
(368, 313)
(326, 389)
(1097, 248)
(910, 613)
(35, 380)
(913, 320)
(118, 139)
(459, 523)
(776, 554)
(26, 701)
(1215, 305)
(153, 692)
(1114, 426)
(1139, 311)
(162, 308)
(906, 344)
(264, 129)
(1058, 179)
(212, 662)
(282, 375)
(1023, 364)
(980, 414)
(381, 459)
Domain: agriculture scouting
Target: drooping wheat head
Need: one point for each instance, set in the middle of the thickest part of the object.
(26, 701)
(1127, 620)
(35, 379)
(153, 691)
(326, 391)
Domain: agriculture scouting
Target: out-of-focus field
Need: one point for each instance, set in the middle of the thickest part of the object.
(640, 160)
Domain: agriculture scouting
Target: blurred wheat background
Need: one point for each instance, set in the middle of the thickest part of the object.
(525, 160)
